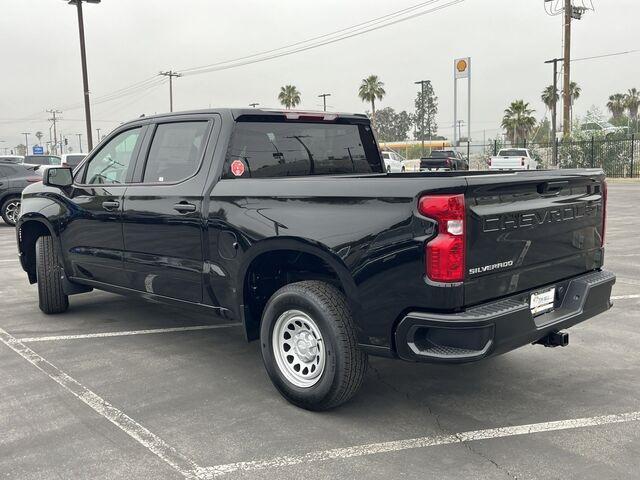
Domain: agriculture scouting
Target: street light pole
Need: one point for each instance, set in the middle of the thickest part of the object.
(324, 100)
(79, 141)
(85, 76)
(554, 107)
(26, 142)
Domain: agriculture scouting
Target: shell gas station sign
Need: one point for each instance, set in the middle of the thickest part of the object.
(462, 67)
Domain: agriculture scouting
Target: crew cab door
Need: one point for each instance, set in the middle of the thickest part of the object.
(92, 240)
(163, 224)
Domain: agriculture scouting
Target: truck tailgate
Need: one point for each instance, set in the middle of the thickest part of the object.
(530, 229)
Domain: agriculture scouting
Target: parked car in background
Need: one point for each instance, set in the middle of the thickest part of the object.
(43, 161)
(443, 161)
(11, 158)
(13, 179)
(513, 159)
(393, 162)
(72, 159)
(602, 127)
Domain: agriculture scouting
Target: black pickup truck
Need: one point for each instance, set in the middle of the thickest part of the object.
(287, 222)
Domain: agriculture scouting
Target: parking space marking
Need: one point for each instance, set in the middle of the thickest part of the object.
(142, 435)
(422, 442)
(126, 333)
(624, 297)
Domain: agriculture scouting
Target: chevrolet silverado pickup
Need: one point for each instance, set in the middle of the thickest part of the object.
(288, 223)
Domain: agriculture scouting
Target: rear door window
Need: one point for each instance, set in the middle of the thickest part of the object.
(176, 151)
(281, 149)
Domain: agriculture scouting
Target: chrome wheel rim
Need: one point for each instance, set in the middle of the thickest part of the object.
(12, 211)
(298, 348)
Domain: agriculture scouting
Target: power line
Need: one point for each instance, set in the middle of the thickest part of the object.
(234, 64)
(606, 55)
(308, 40)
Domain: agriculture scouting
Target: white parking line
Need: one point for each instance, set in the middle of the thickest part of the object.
(624, 297)
(142, 435)
(422, 442)
(125, 333)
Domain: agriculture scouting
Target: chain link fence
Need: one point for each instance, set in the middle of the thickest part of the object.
(619, 158)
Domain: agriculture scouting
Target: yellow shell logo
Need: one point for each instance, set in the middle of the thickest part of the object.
(461, 66)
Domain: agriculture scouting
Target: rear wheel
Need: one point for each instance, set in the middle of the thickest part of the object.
(10, 210)
(309, 346)
(51, 296)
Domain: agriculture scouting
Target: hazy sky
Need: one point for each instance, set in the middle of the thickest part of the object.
(129, 41)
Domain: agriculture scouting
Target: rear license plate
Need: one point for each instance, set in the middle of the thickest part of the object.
(542, 301)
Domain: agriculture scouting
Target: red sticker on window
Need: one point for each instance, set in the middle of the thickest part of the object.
(237, 168)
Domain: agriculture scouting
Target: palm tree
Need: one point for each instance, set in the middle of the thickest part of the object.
(574, 94)
(550, 98)
(616, 105)
(289, 96)
(632, 102)
(39, 136)
(518, 121)
(371, 88)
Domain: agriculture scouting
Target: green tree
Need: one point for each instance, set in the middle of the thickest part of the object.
(425, 113)
(616, 105)
(518, 121)
(392, 126)
(372, 89)
(543, 132)
(289, 96)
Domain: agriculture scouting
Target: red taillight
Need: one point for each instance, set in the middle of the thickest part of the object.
(34, 179)
(604, 210)
(445, 254)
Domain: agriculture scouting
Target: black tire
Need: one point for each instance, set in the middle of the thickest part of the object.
(9, 210)
(345, 364)
(50, 293)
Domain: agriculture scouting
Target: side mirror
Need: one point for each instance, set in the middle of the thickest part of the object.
(58, 177)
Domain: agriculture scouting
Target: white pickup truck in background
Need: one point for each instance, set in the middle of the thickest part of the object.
(513, 159)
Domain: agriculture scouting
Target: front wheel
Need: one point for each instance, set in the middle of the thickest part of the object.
(10, 210)
(51, 296)
(309, 346)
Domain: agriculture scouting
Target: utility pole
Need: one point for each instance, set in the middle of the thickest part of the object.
(85, 76)
(79, 142)
(54, 119)
(554, 107)
(566, 120)
(324, 100)
(170, 74)
(26, 142)
(422, 83)
(254, 104)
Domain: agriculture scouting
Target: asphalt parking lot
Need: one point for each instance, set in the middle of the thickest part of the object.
(118, 388)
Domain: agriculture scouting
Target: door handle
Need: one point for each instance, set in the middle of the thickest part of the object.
(110, 205)
(184, 207)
